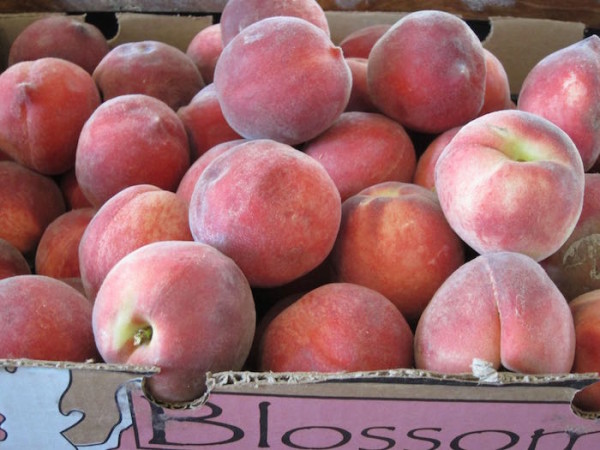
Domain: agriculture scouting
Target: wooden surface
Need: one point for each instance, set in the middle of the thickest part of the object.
(585, 11)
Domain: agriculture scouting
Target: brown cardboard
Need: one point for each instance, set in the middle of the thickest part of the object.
(101, 406)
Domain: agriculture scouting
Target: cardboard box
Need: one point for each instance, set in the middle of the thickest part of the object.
(47, 405)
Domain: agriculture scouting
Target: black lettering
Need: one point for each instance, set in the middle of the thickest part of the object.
(345, 437)
(263, 424)
(390, 442)
(160, 418)
(573, 437)
(514, 438)
(436, 444)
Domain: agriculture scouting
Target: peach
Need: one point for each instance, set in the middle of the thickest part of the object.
(564, 88)
(574, 266)
(239, 14)
(31, 131)
(270, 87)
(204, 122)
(204, 50)
(425, 170)
(12, 261)
(149, 67)
(358, 43)
(586, 317)
(361, 149)
(46, 319)
(57, 254)
(62, 37)
(136, 216)
(182, 306)
(511, 181)
(30, 201)
(428, 72)
(501, 308)
(497, 86)
(336, 327)
(131, 139)
(272, 209)
(74, 197)
(394, 238)
(360, 99)
(189, 179)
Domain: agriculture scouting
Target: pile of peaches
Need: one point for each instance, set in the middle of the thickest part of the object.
(271, 200)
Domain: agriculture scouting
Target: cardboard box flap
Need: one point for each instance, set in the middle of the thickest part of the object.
(521, 43)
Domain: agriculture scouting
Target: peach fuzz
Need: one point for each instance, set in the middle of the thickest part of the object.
(586, 317)
(501, 308)
(239, 14)
(511, 181)
(57, 254)
(136, 216)
(574, 266)
(497, 86)
(46, 319)
(182, 306)
(425, 170)
(564, 88)
(62, 37)
(130, 139)
(189, 179)
(31, 131)
(361, 149)
(269, 87)
(428, 72)
(30, 201)
(358, 44)
(272, 209)
(336, 327)
(360, 99)
(204, 50)
(149, 67)
(12, 261)
(204, 122)
(394, 238)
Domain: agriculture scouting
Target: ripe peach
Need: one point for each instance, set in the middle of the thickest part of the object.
(239, 14)
(511, 180)
(336, 327)
(182, 306)
(428, 72)
(425, 169)
(189, 179)
(30, 201)
(62, 37)
(31, 130)
(586, 317)
(361, 149)
(204, 49)
(57, 254)
(204, 122)
(497, 86)
(360, 99)
(12, 261)
(74, 197)
(272, 209)
(130, 139)
(270, 87)
(149, 67)
(501, 308)
(574, 266)
(564, 88)
(136, 216)
(395, 239)
(44, 318)
(358, 44)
